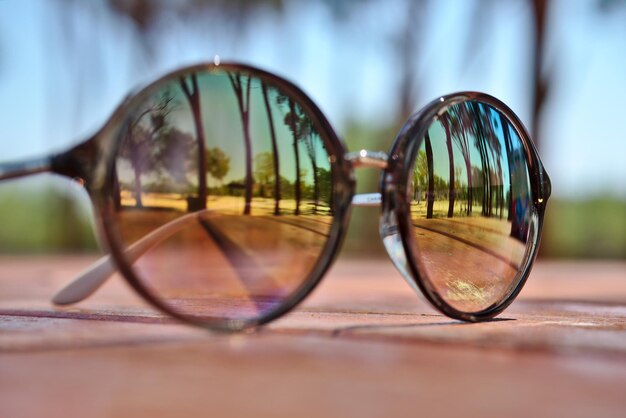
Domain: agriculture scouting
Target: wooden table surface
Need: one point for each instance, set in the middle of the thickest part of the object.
(362, 345)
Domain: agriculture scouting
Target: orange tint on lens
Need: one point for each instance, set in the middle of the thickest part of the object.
(471, 206)
(223, 195)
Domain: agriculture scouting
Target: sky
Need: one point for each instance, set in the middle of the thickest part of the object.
(223, 128)
(62, 75)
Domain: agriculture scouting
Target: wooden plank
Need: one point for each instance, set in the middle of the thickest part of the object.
(362, 345)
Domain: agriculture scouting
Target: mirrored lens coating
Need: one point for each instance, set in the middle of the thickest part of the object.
(223, 195)
(471, 207)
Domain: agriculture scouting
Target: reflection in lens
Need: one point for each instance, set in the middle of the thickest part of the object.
(224, 184)
(471, 206)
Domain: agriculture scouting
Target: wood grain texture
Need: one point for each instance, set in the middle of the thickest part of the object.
(362, 345)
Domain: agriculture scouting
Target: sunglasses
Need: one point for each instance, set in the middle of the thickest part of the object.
(222, 195)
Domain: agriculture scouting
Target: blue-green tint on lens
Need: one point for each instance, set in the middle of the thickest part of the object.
(224, 195)
(471, 207)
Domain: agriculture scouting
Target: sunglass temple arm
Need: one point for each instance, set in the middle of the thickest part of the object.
(25, 168)
(94, 276)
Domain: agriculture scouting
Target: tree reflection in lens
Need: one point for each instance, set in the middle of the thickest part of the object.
(245, 156)
(471, 206)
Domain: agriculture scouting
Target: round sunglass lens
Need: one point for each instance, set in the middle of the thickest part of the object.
(223, 195)
(471, 207)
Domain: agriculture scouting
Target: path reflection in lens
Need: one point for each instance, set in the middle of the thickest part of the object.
(224, 182)
(471, 206)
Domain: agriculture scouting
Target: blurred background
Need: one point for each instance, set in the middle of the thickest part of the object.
(368, 64)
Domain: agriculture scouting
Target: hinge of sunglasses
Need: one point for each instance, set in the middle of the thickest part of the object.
(366, 158)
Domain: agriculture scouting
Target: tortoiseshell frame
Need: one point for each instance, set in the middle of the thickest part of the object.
(93, 162)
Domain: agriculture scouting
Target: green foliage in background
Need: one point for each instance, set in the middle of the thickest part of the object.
(44, 214)
(593, 228)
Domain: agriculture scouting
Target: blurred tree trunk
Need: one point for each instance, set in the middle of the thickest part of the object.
(294, 130)
(515, 227)
(193, 96)
(406, 47)
(430, 199)
(270, 120)
(451, 191)
(313, 157)
(540, 80)
(244, 112)
(481, 144)
(138, 187)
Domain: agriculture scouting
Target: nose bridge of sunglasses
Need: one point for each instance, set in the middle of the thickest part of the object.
(367, 159)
